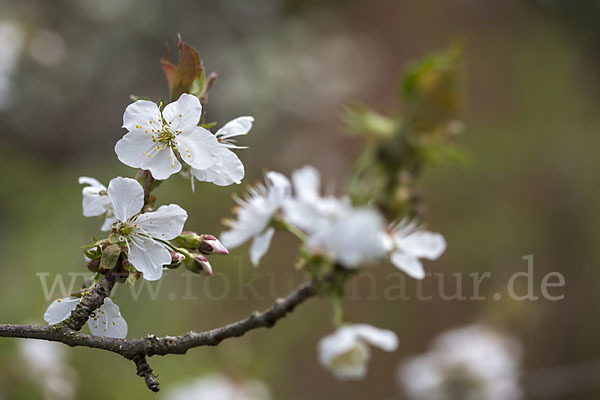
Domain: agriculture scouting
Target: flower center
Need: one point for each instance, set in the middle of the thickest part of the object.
(353, 357)
(165, 137)
(125, 228)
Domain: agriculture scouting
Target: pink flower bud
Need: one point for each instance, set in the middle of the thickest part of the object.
(212, 245)
(199, 265)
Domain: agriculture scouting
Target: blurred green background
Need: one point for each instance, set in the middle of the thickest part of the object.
(531, 97)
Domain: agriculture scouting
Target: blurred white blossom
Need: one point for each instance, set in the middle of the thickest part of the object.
(470, 363)
(47, 367)
(350, 235)
(346, 351)
(407, 243)
(219, 387)
(255, 214)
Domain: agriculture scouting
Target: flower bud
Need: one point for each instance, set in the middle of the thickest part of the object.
(211, 245)
(189, 240)
(93, 265)
(198, 264)
(176, 259)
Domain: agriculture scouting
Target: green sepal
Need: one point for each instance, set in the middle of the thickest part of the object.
(110, 256)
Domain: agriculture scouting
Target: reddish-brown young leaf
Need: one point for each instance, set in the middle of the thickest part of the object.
(168, 68)
(189, 68)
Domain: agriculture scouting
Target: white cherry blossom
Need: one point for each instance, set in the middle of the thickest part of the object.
(156, 137)
(255, 213)
(346, 351)
(144, 233)
(352, 239)
(308, 210)
(228, 168)
(407, 243)
(96, 201)
(469, 363)
(106, 320)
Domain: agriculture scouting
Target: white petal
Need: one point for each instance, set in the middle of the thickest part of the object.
(148, 257)
(235, 127)
(307, 182)
(163, 163)
(198, 148)
(127, 196)
(141, 113)
(92, 182)
(409, 264)
(94, 204)
(60, 309)
(423, 244)
(384, 339)
(353, 239)
(165, 223)
(260, 245)
(135, 149)
(108, 321)
(227, 170)
(106, 226)
(344, 355)
(183, 114)
(278, 185)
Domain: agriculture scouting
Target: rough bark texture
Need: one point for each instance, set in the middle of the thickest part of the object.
(91, 301)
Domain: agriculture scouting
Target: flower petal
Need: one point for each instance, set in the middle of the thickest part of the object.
(148, 257)
(260, 245)
(235, 127)
(278, 185)
(183, 114)
(163, 163)
(141, 113)
(198, 147)
(108, 321)
(94, 204)
(135, 149)
(307, 182)
(60, 309)
(384, 339)
(344, 355)
(165, 223)
(86, 180)
(409, 264)
(127, 196)
(227, 170)
(423, 244)
(106, 226)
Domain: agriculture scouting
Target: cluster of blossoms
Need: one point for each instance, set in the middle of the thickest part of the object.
(331, 226)
(473, 362)
(159, 141)
(143, 242)
(348, 236)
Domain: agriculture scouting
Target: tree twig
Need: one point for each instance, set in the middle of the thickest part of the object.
(139, 348)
